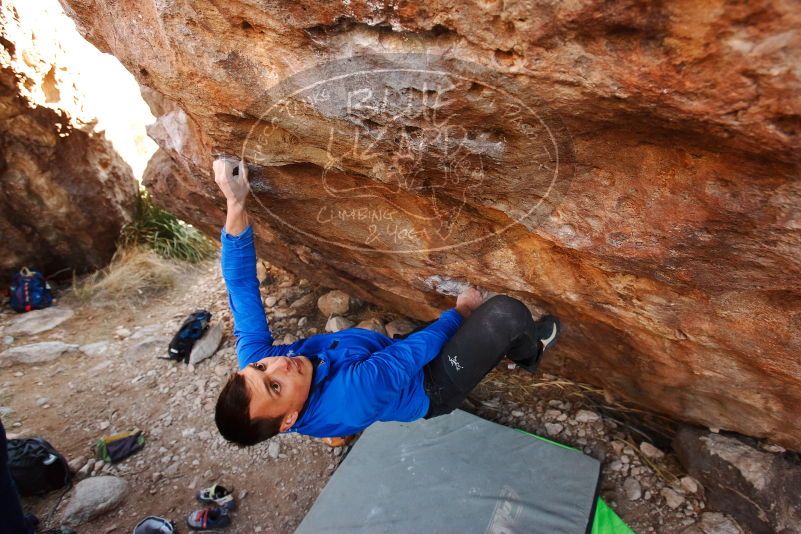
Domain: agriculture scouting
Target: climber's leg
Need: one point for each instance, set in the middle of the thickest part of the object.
(501, 326)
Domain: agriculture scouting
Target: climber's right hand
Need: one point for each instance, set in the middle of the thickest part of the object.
(468, 301)
(235, 187)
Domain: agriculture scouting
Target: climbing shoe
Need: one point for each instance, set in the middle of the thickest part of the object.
(547, 330)
(218, 495)
(208, 519)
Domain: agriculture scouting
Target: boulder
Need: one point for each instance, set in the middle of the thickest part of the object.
(65, 193)
(630, 168)
(334, 302)
(38, 321)
(759, 489)
(399, 327)
(44, 351)
(208, 344)
(93, 497)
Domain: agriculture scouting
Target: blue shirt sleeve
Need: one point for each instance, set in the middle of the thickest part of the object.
(238, 260)
(393, 367)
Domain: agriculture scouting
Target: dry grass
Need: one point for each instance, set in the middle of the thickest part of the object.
(134, 274)
(637, 424)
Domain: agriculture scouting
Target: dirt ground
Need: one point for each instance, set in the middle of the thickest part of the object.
(77, 398)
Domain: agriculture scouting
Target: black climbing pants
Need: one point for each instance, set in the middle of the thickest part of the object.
(501, 326)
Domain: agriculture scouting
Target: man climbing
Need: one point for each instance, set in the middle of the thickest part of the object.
(338, 384)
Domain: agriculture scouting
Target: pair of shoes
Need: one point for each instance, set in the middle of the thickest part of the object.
(208, 519)
(547, 329)
(216, 516)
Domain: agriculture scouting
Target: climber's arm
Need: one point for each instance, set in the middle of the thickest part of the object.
(238, 261)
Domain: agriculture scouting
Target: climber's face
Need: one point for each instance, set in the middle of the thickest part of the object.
(278, 387)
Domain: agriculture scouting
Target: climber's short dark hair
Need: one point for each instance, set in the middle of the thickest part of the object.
(233, 419)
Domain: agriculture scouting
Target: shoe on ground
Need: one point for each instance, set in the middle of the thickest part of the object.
(217, 495)
(154, 524)
(211, 518)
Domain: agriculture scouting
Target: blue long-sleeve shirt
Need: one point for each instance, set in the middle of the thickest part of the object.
(360, 376)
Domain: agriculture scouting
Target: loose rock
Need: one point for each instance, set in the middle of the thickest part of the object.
(273, 449)
(335, 302)
(632, 488)
(714, 523)
(93, 497)
(689, 484)
(586, 416)
(336, 323)
(37, 321)
(649, 451)
(553, 428)
(399, 327)
(304, 303)
(673, 499)
(44, 351)
(96, 349)
(208, 344)
(373, 324)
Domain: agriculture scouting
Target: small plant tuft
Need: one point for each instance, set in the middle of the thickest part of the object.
(162, 232)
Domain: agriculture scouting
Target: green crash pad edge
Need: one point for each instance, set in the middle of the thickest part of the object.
(604, 519)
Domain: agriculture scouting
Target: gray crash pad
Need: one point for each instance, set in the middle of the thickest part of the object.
(456, 473)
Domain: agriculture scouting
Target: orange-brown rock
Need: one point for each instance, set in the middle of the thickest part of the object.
(65, 193)
(670, 246)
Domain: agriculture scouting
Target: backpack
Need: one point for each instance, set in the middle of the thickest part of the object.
(116, 447)
(29, 291)
(191, 330)
(36, 466)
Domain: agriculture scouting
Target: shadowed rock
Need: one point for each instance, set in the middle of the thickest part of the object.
(65, 193)
(760, 490)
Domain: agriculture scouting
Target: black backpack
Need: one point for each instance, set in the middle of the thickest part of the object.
(193, 329)
(36, 466)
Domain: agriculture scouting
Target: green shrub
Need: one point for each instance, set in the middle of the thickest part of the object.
(165, 234)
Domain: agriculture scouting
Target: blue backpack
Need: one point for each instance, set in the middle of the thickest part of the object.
(29, 291)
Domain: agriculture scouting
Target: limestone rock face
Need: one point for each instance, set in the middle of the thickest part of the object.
(629, 166)
(64, 191)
